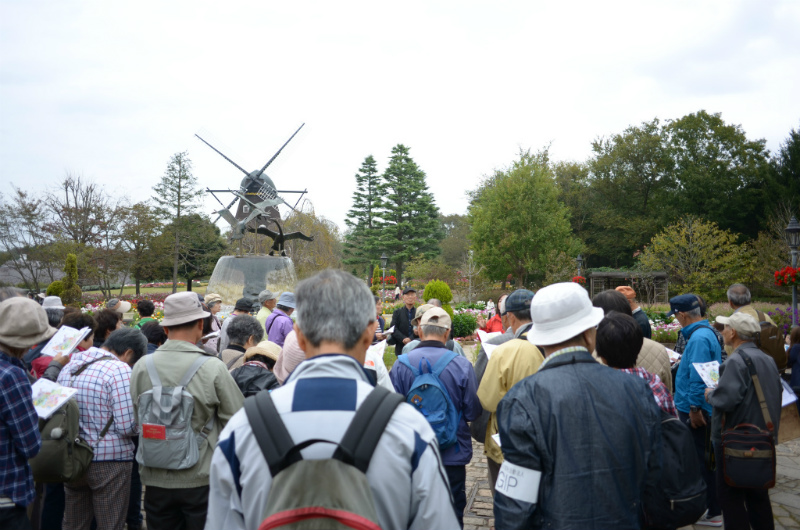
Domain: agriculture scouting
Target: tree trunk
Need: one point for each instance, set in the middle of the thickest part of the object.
(175, 264)
(137, 286)
(189, 284)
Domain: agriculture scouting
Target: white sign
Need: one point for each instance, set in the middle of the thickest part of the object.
(519, 483)
(486, 336)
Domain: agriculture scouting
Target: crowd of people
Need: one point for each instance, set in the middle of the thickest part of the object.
(278, 415)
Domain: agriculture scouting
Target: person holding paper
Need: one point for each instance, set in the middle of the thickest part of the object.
(379, 334)
(23, 323)
(508, 364)
(701, 347)
(735, 397)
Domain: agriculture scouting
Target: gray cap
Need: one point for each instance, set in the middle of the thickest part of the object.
(23, 323)
(265, 295)
(182, 308)
(286, 300)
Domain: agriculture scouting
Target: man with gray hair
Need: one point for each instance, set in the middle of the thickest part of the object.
(736, 397)
(701, 347)
(243, 332)
(335, 326)
(267, 301)
(739, 300)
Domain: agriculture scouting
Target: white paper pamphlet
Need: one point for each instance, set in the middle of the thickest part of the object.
(65, 341)
(709, 372)
(673, 356)
(48, 397)
(389, 331)
(486, 336)
(788, 397)
(377, 349)
(489, 348)
(496, 438)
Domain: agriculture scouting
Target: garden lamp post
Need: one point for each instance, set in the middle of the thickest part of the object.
(384, 260)
(793, 238)
(579, 259)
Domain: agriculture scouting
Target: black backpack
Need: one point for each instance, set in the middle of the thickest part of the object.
(253, 379)
(329, 493)
(679, 497)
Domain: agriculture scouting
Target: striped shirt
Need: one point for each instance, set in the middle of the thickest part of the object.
(19, 431)
(103, 389)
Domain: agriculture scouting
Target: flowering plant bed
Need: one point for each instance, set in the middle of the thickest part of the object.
(579, 280)
(786, 276)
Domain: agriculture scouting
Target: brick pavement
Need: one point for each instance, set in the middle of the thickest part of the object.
(785, 495)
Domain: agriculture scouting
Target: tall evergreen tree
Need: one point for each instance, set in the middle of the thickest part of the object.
(361, 244)
(176, 197)
(411, 216)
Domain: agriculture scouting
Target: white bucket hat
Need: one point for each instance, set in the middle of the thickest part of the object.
(561, 311)
(52, 302)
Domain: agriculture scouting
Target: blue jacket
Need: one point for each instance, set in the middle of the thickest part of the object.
(701, 347)
(460, 382)
(593, 432)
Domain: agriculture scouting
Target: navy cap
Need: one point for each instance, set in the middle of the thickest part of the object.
(409, 290)
(683, 303)
(244, 304)
(519, 300)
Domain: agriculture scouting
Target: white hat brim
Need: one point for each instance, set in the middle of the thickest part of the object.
(546, 336)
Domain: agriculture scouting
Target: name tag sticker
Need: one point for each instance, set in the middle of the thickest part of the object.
(518, 483)
(154, 432)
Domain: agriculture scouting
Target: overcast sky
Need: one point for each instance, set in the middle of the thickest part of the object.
(110, 90)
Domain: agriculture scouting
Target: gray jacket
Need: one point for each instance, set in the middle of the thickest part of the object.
(735, 396)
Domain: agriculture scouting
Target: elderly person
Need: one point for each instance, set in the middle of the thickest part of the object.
(652, 356)
(23, 323)
(279, 324)
(178, 498)
(736, 398)
(244, 306)
(336, 324)
(267, 302)
(214, 303)
(636, 310)
(574, 428)
(119, 306)
(291, 356)
(243, 332)
(256, 374)
(107, 423)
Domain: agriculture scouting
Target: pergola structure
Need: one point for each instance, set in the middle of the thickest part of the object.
(650, 287)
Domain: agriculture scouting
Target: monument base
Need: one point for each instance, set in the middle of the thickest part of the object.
(236, 277)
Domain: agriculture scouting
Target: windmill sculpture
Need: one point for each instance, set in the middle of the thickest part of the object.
(258, 204)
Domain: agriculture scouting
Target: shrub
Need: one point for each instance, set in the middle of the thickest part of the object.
(464, 324)
(438, 289)
(71, 294)
(55, 289)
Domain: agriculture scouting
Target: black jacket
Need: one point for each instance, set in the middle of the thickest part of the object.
(401, 323)
(252, 379)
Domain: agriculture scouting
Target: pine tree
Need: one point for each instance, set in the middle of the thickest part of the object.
(411, 219)
(362, 242)
(176, 197)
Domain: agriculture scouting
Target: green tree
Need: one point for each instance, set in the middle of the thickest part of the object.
(698, 256)
(139, 236)
(362, 241)
(71, 294)
(411, 218)
(201, 246)
(455, 244)
(176, 196)
(719, 174)
(630, 173)
(23, 240)
(517, 220)
(786, 169)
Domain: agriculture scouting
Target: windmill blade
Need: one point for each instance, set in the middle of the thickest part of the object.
(276, 154)
(226, 158)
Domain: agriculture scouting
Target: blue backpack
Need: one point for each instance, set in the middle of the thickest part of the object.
(429, 396)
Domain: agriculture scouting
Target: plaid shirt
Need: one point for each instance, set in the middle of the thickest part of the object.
(103, 389)
(660, 391)
(19, 431)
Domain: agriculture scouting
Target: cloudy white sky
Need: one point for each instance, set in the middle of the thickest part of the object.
(110, 90)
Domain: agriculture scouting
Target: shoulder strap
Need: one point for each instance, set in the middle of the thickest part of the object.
(80, 370)
(151, 370)
(271, 434)
(759, 392)
(695, 329)
(366, 429)
(403, 359)
(442, 363)
(233, 361)
(195, 366)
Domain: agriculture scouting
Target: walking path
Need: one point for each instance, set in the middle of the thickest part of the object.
(785, 495)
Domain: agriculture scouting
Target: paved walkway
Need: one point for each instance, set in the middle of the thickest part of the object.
(785, 495)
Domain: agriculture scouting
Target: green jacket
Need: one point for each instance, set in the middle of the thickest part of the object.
(214, 392)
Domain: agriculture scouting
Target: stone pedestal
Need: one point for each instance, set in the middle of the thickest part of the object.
(235, 277)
